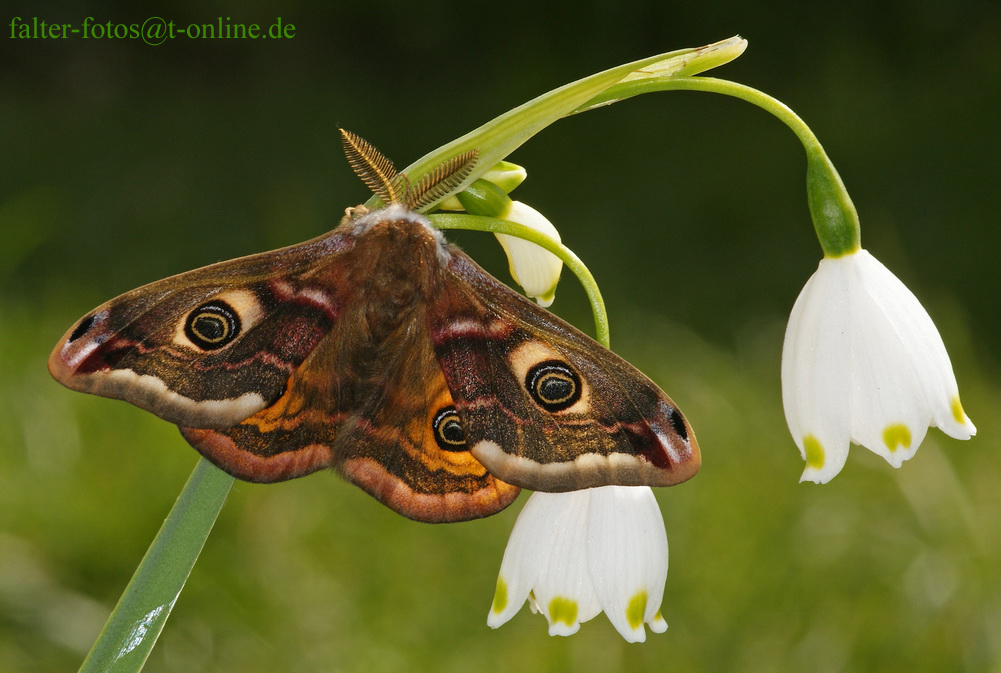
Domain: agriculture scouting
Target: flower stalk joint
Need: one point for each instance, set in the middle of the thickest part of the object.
(834, 216)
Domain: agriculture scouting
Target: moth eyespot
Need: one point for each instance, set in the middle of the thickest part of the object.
(553, 385)
(448, 430)
(212, 326)
(82, 328)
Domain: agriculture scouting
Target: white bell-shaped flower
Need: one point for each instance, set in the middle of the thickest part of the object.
(573, 555)
(862, 362)
(537, 270)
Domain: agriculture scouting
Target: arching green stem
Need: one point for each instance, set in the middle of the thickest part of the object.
(834, 216)
(572, 261)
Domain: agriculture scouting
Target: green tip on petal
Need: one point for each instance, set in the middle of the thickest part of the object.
(500, 596)
(563, 609)
(814, 452)
(896, 435)
(957, 410)
(546, 300)
(636, 609)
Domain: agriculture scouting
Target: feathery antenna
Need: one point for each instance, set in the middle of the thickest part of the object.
(378, 173)
(374, 169)
(441, 180)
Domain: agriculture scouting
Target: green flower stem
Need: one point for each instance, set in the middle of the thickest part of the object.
(834, 216)
(496, 139)
(572, 261)
(136, 622)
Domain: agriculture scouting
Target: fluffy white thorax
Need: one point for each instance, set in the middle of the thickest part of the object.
(396, 212)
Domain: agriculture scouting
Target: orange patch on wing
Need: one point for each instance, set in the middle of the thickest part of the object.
(283, 414)
(415, 433)
(432, 508)
(419, 428)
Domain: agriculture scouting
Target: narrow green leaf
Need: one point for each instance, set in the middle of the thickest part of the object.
(136, 622)
(499, 137)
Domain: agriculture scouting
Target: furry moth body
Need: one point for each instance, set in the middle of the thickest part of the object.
(383, 352)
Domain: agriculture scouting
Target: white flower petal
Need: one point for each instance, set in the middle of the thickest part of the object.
(574, 554)
(889, 414)
(923, 344)
(563, 591)
(534, 268)
(526, 554)
(815, 382)
(627, 555)
(863, 362)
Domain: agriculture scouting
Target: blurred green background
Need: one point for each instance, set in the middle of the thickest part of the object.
(123, 163)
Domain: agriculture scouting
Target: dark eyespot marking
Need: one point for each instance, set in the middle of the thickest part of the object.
(82, 328)
(448, 430)
(553, 385)
(678, 423)
(212, 325)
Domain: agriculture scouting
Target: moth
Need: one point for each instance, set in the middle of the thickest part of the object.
(384, 352)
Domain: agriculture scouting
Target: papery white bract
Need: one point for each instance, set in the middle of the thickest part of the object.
(537, 270)
(863, 362)
(575, 554)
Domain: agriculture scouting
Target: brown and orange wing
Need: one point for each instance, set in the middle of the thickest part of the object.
(544, 406)
(390, 428)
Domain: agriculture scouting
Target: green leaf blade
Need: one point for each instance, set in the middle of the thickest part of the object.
(496, 139)
(136, 622)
